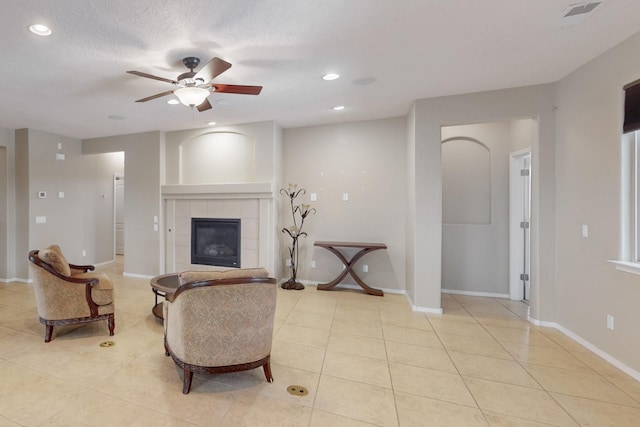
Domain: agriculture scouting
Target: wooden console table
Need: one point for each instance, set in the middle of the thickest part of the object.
(365, 248)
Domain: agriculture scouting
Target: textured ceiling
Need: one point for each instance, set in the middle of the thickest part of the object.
(387, 53)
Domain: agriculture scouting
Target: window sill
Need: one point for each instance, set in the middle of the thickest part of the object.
(627, 266)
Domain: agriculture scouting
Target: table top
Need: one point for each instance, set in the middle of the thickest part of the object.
(167, 283)
(351, 245)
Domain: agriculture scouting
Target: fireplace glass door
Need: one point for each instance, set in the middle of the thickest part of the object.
(215, 241)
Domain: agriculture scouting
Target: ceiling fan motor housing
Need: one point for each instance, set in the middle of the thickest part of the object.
(191, 62)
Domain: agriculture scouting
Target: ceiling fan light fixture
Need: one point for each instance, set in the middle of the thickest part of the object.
(191, 96)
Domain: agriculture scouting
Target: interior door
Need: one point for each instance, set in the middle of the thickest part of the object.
(520, 226)
(526, 227)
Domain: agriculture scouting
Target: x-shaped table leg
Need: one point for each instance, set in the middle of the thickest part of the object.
(348, 269)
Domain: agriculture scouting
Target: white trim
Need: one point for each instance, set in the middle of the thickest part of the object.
(475, 294)
(16, 279)
(577, 338)
(249, 190)
(138, 276)
(626, 266)
(426, 309)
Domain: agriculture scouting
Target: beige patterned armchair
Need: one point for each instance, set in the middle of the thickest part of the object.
(218, 322)
(68, 294)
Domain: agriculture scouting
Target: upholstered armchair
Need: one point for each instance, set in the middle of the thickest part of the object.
(218, 322)
(69, 294)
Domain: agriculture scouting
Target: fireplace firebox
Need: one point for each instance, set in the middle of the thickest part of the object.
(215, 241)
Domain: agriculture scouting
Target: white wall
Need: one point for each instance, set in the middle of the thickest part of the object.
(366, 160)
(589, 124)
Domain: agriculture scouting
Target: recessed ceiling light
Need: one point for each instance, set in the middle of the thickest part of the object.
(173, 101)
(331, 76)
(339, 107)
(40, 30)
(211, 123)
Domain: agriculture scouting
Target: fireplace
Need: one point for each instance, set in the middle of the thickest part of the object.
(215, 241)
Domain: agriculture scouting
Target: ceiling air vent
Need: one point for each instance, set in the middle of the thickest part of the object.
(579, 9)
(577, 13)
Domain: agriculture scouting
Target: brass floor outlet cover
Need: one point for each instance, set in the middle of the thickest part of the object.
(107, 344)
(297, 390)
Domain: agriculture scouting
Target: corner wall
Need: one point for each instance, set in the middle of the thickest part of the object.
(430, 116)
(589, 159)
(142, 196)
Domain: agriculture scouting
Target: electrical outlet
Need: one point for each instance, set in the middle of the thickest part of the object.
(288, 263)
(84, 253)
(345, 197)
(313, 263)
(365, 268)
(610, 322)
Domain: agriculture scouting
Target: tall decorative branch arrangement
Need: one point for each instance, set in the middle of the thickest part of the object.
(299, 213)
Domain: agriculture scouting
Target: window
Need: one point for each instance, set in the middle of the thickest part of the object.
(629, 259)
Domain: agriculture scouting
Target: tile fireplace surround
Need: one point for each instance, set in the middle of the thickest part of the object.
(252, 203)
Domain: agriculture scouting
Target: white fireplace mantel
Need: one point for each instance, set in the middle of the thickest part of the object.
(198, 197)
(249, 190)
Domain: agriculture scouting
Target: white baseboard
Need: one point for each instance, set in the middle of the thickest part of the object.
(138, 276)
(475, 294)
(577, 338)
(426, 309)
(16, 279)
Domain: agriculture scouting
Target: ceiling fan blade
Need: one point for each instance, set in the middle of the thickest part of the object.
(151, 76)
(159, 95)
(240, 89)
(206, 105)
(214, 68)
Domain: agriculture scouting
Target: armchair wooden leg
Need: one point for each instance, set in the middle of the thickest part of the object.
(112, 324)
(188, 376)
(48, 333)
(267, 371)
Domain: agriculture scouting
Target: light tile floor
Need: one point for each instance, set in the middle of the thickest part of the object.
(366, 361)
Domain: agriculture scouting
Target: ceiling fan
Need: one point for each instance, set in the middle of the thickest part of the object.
(194, 87)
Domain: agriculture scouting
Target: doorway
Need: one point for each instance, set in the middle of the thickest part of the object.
(118, 205)
(520, 225)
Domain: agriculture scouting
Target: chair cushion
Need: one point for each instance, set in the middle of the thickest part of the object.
(52, 255)
(236, 273)
(102, 293)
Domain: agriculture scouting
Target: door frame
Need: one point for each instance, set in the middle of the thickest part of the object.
(516, 215)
